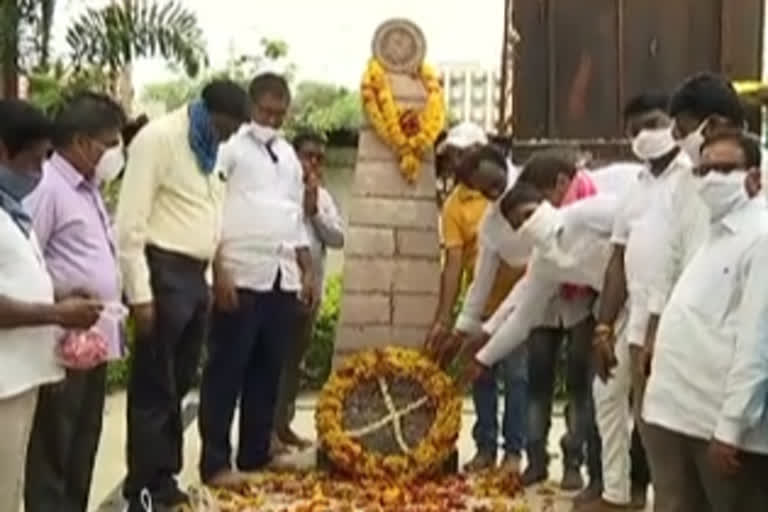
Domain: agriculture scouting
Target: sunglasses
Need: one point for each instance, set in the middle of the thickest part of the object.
(719, 167)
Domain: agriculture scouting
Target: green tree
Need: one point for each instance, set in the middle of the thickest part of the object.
(25, 35)
(114, 36)
(324, 108)
(240, 68)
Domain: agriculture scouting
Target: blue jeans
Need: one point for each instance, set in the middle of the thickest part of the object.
(582, 437)
(514, 374)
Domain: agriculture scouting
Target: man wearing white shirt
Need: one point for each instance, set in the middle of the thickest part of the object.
(262, 269)
(634, 245)
(558, 176)
(702, 104)
(695, 396)
(28, 312)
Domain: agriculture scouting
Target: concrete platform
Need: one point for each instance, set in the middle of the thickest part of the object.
(110, 461)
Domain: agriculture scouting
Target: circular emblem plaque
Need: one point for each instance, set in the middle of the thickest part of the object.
(399, 45)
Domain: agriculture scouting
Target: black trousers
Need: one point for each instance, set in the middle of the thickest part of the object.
(640, 472)
(165, 362)
(63, 443)
(246, 349)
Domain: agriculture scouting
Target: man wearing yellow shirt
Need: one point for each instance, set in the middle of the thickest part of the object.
(461, 216)
(168, 222)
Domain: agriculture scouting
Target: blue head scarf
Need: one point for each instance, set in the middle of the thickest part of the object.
(202, 140)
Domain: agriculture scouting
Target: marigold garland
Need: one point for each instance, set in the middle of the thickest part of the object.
(409, 132)
(349, 455)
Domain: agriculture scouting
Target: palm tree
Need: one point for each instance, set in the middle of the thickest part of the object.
(116, 35)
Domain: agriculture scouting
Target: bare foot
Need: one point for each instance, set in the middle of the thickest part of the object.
(230, 480)
(291, 438)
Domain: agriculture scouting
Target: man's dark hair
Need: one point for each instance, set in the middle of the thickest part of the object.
(227, 98)
(748, 142)
(87, 113)
(519, 194)
(706, 94)
(472, 161)
(646, 102)
(22, 125)
(306, 137)
(543, 167)
(269, 83)
(132, 127)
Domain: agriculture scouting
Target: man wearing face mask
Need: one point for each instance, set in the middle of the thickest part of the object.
(263, 284)
(554, 173)
(483, 174)
(626, 280)
(73, 230)
(461, 217)
(28, 314)
(168, 227)
(702, 105)
(705, 453)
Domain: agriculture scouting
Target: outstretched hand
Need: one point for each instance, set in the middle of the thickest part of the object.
(470, 373)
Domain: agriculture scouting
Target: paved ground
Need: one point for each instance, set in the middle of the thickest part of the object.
(110, 466)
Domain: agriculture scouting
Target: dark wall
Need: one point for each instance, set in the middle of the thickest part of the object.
(580, 60)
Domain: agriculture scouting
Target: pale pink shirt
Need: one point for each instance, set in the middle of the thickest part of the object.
(73, 229)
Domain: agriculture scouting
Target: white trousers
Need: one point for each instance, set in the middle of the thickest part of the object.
(16, 416)
(613, 416)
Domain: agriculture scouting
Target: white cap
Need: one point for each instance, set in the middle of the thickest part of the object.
(462, 136)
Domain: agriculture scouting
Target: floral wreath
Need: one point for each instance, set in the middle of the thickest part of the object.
(349, 455)
(409, 132)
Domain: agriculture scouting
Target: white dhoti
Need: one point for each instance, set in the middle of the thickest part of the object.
(612, 414)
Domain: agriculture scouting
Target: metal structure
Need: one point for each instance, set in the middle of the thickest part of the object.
(577, 63)
(505, 126)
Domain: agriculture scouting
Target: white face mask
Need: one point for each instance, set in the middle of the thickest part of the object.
(263, 134)
(722, 192)
(653, 143)
(692, 143)
(542, 229)
(110, 164)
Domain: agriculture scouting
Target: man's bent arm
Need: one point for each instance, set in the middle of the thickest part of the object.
(533, 296)
(137, 194)
(746, 391)
(327, 222)
(14, 313)
(614, 293)
(450, 284)
(470, 318)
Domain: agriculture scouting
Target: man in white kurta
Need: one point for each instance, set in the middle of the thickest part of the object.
(705, 426)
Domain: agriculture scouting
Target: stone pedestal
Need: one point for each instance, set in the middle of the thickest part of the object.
(392, 254)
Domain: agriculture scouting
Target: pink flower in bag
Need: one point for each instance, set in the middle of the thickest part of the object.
(82, 350)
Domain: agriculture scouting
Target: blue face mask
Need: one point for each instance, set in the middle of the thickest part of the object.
(18, 184)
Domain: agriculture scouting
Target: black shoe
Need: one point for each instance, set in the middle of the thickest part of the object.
(639, 497)
(591, 493)
(534, 474)
(572, 480)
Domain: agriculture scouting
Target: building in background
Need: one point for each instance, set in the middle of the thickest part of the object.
(472, 93)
